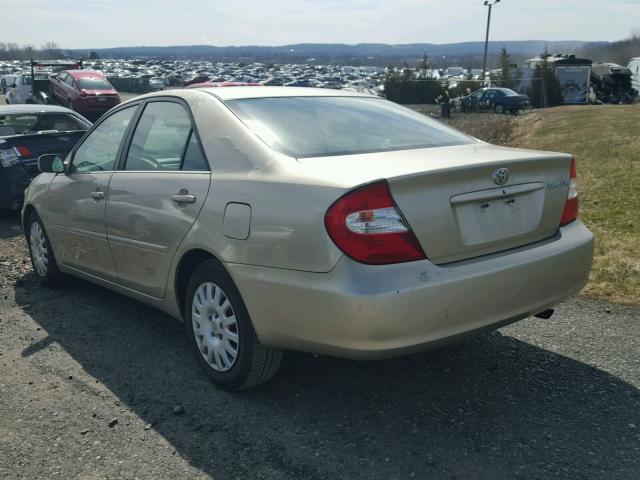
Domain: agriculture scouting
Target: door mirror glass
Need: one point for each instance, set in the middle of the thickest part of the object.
(51, 163)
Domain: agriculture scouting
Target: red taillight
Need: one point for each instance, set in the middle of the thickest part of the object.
(570, 212)
(366, 225)
(23, 151)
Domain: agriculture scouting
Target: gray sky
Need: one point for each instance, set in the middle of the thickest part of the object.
(113, 23)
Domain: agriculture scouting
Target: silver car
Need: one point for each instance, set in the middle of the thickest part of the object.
(272, 218)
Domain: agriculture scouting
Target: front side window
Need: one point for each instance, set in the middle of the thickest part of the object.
(160, 139)
(99, 150)
(321, 126)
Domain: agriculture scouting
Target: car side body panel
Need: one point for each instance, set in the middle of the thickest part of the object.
(145, 226)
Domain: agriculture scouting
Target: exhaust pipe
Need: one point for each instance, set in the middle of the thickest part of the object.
(545, 314)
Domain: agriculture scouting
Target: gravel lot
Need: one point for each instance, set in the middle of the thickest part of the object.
(95, 385)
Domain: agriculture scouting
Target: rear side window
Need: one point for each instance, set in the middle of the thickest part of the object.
(163, 139)
(99, 150)
(193, 159)
(18, 124)
(321, 126)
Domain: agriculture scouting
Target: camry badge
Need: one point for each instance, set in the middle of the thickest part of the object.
(500, 176)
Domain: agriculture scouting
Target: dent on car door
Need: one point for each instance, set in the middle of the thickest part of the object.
(77, 199)
(155, 197)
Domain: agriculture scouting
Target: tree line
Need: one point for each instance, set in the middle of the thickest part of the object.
(47, 51)
(619, 52)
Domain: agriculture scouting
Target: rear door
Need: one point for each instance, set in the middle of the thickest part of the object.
(156, 195)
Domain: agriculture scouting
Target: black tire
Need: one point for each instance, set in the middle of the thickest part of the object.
(254, 363)
(498, 108)
(52, 277)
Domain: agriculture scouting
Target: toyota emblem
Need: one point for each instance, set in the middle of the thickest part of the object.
(500, 176)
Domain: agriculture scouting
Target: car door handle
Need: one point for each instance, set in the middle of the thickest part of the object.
(97, 195)
(183, 197)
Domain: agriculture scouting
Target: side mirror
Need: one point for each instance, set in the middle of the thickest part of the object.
(51, 163)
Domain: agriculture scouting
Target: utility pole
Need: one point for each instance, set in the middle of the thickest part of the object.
(490, 4)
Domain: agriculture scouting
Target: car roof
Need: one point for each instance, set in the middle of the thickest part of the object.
(33, 108)
(237, 93)
(85, 74)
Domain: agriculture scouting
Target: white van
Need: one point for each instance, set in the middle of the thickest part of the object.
(634, 66)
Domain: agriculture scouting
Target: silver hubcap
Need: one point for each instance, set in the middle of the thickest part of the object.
(39, 252)
(215, 326)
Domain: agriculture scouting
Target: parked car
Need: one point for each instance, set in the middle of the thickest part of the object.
(156, 84)
(26, 132)
(270, 218)
(85, 91)
(223, 84)
(500, 100)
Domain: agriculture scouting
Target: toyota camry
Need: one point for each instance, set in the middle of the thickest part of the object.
(274, 218)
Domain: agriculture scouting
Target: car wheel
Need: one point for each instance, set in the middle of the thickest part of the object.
(498, 108)
(220, 332)
(42, 257)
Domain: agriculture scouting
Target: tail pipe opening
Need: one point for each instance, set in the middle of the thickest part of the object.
(545, 314)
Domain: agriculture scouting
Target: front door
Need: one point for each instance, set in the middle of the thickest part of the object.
(156, 196)
(77, 200)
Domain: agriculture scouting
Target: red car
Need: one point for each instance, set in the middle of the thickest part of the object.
(85, 91)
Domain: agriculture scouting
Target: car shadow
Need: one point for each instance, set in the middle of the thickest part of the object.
(10, 225)
(491, 407)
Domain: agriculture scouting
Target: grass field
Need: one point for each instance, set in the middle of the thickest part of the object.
(606, 143)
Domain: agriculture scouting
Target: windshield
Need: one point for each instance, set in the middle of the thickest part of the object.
(321, 126)
(94, 84)
(19, 124)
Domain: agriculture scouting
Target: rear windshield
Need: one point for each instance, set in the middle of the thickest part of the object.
(321, 126)
(94, 84)
(20, 124)
(508, 92)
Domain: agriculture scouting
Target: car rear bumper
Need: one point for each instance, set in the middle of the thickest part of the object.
(366, 311)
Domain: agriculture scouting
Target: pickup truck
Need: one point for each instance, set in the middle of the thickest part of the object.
(23, 88)
(26, 132)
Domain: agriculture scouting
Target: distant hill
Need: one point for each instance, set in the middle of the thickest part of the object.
(375, 53)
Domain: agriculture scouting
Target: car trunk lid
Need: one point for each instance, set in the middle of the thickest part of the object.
(451, 199)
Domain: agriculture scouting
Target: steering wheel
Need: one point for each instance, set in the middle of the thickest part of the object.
(150, 162)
